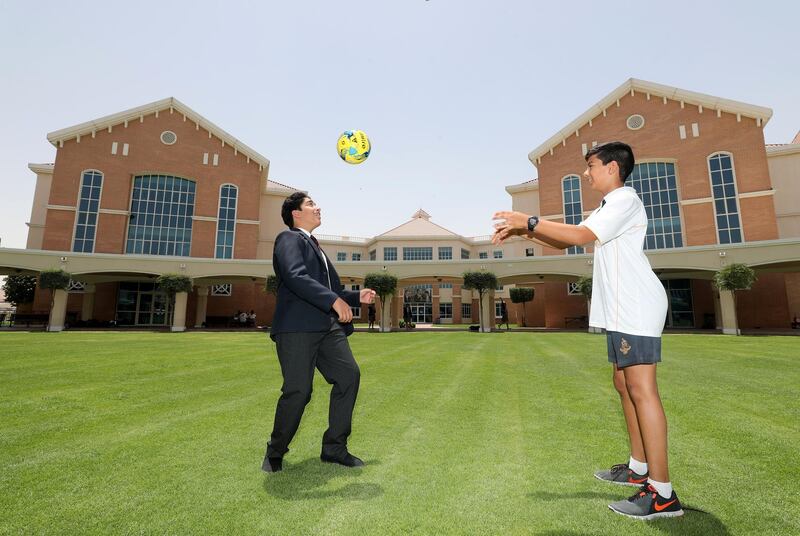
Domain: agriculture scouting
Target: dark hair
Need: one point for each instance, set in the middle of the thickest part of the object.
(291, 203)
(616, 151)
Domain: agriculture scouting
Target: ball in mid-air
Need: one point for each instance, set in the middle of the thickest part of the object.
(353, 146)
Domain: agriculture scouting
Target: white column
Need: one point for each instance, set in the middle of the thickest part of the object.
(179, 313)
(87, 307)
(59, 311)
(727, 307)
(386, 314)
(487, 313)
(202, 306)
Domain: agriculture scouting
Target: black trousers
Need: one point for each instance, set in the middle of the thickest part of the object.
(299, 354)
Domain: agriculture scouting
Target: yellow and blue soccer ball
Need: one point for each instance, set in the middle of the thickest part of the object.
(353, 146)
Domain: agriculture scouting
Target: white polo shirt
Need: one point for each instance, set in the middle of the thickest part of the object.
(626, 295)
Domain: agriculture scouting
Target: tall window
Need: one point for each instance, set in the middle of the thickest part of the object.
(573, 208)
(723, 186)
(655, 184)
(390, 254)
(446, 253)
(466, 311)
(372, 255)
(445, 310)
(88, 206)
(226, 221)
(161, 215)
(464, 253)
(418, 254)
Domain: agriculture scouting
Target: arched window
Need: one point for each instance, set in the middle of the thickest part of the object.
(573, 208)
(723, 188)
(86, 215)
(162, 207)
(226, 221)
(657, 188)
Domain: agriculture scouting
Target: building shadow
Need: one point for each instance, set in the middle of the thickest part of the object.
(304, 480)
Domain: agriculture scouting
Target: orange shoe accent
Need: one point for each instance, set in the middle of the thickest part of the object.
(636, 480)
(660, 507)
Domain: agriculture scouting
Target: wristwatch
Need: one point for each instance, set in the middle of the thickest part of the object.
(533, 221)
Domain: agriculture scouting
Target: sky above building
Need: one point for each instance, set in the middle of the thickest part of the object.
(454, 94)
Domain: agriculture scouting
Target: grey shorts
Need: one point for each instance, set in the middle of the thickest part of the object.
(625, 350)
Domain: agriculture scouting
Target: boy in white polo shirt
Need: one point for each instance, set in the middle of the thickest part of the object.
(630, 303)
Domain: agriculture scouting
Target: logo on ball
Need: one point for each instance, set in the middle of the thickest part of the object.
(353, 146)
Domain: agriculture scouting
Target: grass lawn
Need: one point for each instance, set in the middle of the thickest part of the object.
(462, 433)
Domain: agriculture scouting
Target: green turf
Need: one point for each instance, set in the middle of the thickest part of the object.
(463, 433)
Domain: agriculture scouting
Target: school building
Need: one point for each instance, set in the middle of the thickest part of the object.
(160, 189)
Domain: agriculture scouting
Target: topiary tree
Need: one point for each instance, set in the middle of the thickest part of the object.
(272, 284)
(521, 295)
(584, 285)
(483, 282)
(735, 277)
(55, 279)
(384, 285)
(174, 283)
(20, 289)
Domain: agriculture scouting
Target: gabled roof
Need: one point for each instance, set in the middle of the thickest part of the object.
(419, 225)
(171, 104)
(659, 90)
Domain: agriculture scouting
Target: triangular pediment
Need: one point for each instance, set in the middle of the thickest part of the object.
(169, 105)
(651, 89)
(419, 225)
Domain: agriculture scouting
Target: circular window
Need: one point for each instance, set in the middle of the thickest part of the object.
(168, 137)
(635, 122)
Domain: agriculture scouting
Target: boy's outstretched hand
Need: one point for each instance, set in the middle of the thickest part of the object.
(511, 224)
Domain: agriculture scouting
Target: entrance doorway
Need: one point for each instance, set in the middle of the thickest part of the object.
(140, 304)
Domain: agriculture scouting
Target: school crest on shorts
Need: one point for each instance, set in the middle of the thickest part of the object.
(624, 347)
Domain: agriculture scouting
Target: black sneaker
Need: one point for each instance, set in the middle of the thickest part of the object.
(648, 504)
(623, 475)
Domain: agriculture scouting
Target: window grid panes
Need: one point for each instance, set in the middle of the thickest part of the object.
(418, 254)
(466, 311)
(483, 255)
(573, 289)
(88, 206)
(573, 207)
(529, 252)
(498, 254)
(390, 254)
(445, 285)
(723, 186)
(655, 183)
(373, 255)
(445, 253)
(162, 207)
(226, 221)
(445, 310)
(356, 256)
(341, 256)
(464, 253)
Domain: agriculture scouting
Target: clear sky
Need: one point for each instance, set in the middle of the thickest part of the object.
(453, 93)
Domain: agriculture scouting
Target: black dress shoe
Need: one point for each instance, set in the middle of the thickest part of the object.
(348, 460)
(272, 465)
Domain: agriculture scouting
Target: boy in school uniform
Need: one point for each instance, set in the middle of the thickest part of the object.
(630, 303)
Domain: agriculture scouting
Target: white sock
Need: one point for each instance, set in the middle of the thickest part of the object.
(663, 488)
(640, 468)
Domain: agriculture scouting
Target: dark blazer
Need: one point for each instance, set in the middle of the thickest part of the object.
(305, 300)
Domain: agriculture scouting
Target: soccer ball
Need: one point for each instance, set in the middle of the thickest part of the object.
(353, 146)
